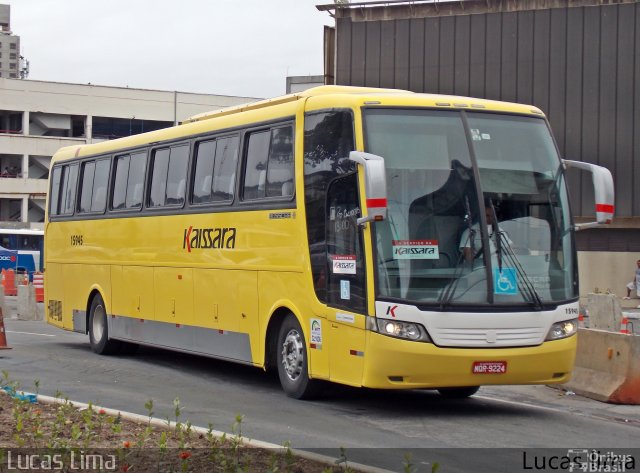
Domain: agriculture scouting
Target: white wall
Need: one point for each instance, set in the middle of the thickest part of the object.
(117, 102)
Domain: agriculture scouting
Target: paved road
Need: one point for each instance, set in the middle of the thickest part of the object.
(375, 427)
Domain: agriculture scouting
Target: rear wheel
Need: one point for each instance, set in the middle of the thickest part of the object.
(292, 361)
(458, 393)
(99, 329)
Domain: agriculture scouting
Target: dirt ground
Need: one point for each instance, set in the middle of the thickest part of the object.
(64, 438)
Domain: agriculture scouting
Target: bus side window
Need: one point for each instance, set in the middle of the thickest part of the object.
(215, 166)
(269, 164)
(159, 168)
(280, 168)
(135, 180)
(100, 183)
(121, 171)
(256, 165)
(224, 172)
(54, 193)
(69, 181)
(177, 175)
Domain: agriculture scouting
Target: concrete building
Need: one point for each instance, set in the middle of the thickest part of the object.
(300, 83)
(9, 46)
(37, 118)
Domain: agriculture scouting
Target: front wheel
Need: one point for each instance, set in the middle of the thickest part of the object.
(293, 369)
(99, 329)
(458, 393)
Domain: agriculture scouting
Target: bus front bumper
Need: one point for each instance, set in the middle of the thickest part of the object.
(392, 363)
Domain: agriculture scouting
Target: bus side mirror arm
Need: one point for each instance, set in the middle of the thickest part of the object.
(603, 191)
(375, 185)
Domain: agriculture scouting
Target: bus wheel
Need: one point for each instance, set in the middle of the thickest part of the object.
(292, 361)
(458, 393)
(99, 329)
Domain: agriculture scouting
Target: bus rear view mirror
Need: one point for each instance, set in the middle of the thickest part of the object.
(375, 185)
(603, 191)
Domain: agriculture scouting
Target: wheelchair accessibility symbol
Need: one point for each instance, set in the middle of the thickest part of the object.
(505, 282)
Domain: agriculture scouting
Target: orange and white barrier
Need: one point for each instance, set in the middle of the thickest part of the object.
(9, 282)
(624, 325)
(38, 285)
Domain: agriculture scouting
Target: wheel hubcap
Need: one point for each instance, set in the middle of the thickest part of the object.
(97, 326)
(293, 354)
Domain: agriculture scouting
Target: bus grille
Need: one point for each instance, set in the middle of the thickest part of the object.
(501, 337)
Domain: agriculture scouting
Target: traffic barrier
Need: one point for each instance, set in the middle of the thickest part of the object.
(607, 367)
(624, 326)
(9, 282)
(3, 336)
(38, 284)
(26, 308)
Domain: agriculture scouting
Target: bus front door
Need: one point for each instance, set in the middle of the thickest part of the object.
(346, 285)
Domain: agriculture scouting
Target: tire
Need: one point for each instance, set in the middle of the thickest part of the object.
(458, 393)
(99, 329)
(293, 366)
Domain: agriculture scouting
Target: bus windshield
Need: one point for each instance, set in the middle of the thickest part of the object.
(477, 210)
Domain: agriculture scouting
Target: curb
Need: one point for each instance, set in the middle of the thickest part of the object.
(202, 430)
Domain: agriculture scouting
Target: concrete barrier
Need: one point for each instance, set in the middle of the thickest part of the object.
(605, 312)
(607, 367)
(3, 304)
(27, 308)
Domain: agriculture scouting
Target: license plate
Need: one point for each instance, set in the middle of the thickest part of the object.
(489, 367)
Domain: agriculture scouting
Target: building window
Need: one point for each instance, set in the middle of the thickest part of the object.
(12, 56)
(12, 46)
(13, 65)
(13, 75)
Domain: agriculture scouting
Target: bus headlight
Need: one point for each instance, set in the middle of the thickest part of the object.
(562, 329)
(405, 330)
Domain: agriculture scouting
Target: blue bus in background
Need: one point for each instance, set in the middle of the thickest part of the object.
(29, 245)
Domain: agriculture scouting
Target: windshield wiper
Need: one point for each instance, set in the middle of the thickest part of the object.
(512, 259)
(502, 242)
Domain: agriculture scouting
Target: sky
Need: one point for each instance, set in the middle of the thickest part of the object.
(227, 47)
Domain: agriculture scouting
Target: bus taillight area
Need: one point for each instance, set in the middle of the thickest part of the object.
(392, 363)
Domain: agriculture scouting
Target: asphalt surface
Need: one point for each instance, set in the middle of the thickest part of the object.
(488, 432)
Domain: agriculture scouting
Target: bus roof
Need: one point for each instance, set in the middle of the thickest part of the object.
(322, 96)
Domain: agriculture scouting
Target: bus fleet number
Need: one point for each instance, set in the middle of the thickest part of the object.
(76, 240)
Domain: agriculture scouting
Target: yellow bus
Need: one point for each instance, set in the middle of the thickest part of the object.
(369, 237)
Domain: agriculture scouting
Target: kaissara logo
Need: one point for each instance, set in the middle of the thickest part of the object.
(204, 238)
(11, 258)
